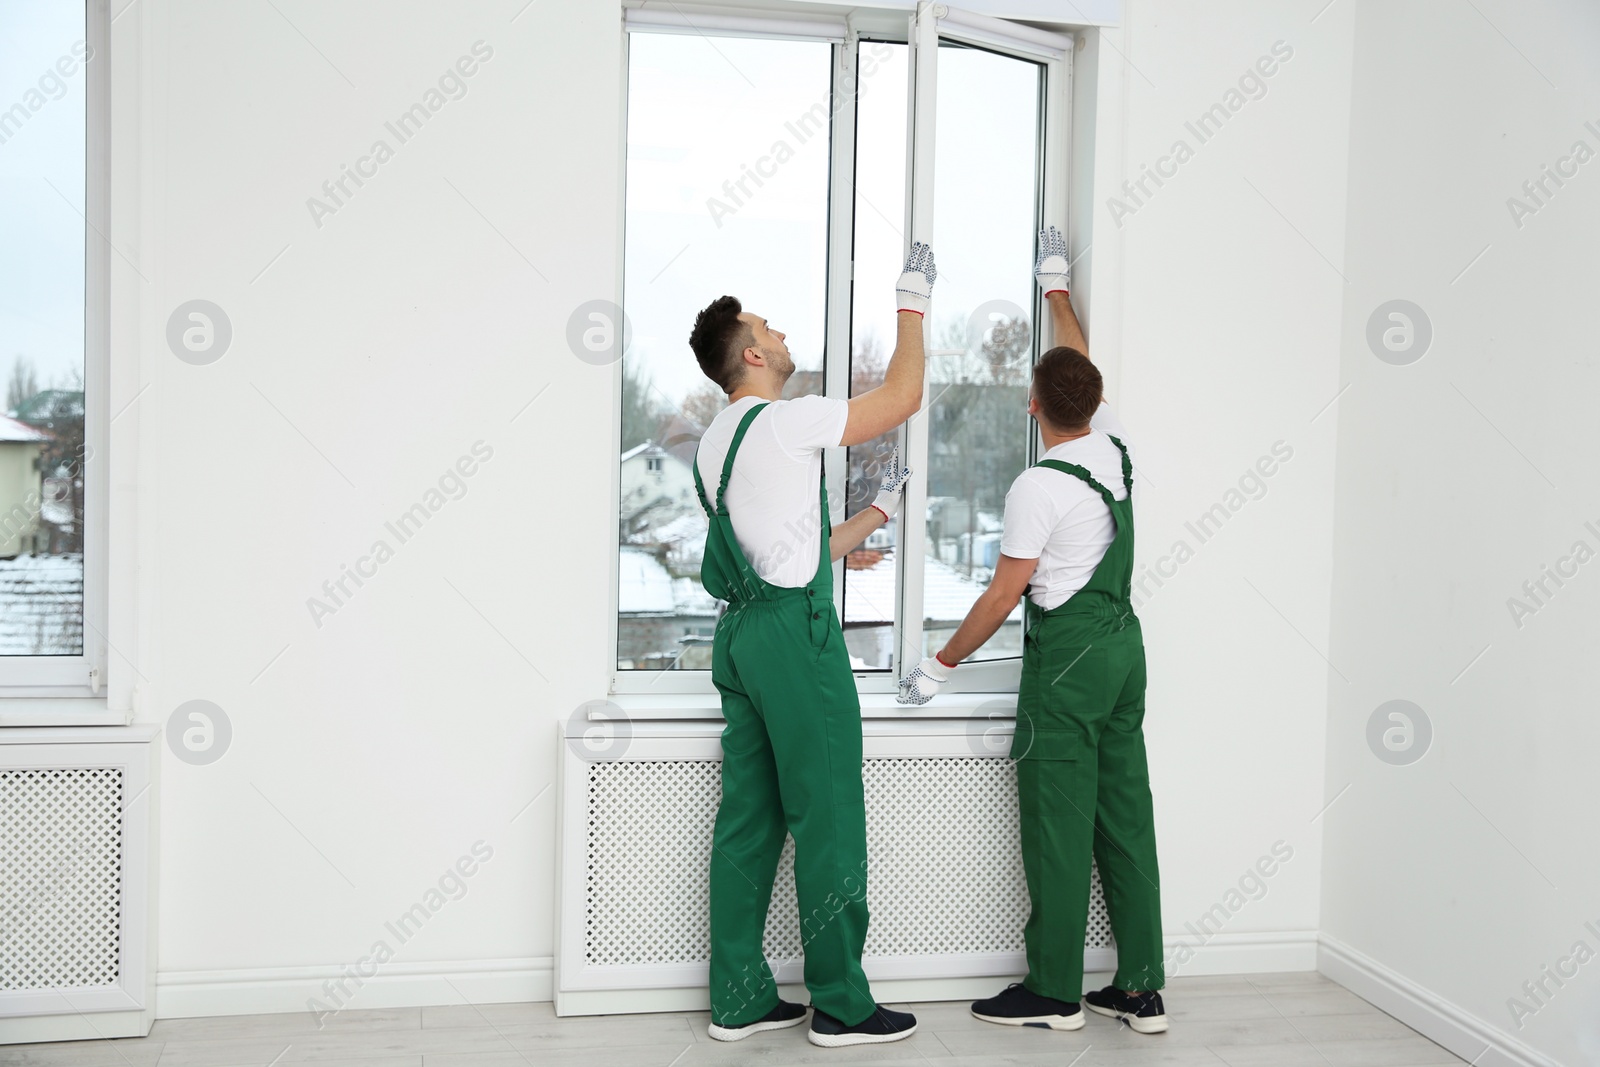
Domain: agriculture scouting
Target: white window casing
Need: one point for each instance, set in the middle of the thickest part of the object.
(678, 18)
(978, 685)
(25, 679)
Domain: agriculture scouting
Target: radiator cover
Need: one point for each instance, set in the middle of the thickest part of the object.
(946, 891)
(60, 877)
(77, 897)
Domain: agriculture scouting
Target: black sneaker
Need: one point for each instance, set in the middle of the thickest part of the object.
(785, 1014)
(1021, 1006)
(1143, 1012)
(882, 1026)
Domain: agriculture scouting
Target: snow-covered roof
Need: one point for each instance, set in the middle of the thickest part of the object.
(643, 585)
(41, 605)
(947, 594)
(651, 449)
(690, 526)
(13, 430)
(638, 449)
(692, 598)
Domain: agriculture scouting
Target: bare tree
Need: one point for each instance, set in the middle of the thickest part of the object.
(977, 425)
(703, 403)
(70, 380)
(1006, 348)
(642, 405)
(23, 383)
(868, 364)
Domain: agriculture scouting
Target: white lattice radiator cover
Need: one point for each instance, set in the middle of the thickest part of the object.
(60, 877)
(945, 882)
(76, 900)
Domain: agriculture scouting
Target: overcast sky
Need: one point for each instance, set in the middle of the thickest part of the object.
(41, 235)
(701, 111)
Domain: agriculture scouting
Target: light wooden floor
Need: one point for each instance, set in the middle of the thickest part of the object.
(1285, 1020)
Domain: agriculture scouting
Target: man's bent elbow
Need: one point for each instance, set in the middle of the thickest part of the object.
(910, 404)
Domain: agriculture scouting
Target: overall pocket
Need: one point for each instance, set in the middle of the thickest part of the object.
(1046, 761)
(1031, 742)
(1072, 683)
(821, 622)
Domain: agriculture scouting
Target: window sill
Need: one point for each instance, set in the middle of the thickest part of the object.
(677, 707)
(59, 711)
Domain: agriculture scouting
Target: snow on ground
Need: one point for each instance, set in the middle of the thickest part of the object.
(41, 606)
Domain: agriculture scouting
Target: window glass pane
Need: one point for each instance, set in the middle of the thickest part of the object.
(727, 194)
(986, 194)
(43, 130)
(871, 589)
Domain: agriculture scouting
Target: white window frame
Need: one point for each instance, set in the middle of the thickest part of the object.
(85, 675)
(921, 30)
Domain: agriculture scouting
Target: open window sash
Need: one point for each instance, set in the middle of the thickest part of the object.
(931, 26)
(923, 32)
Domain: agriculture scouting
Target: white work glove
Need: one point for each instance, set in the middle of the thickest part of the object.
(923, 682)
(1053, 268)
(915, 289)
(892, 489)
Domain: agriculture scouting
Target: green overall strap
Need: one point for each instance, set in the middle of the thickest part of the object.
(1127, 465)
(821, 584)
(724, 571)
(1110, 587)
(700, 490)
(1083, 474)
(727, 465)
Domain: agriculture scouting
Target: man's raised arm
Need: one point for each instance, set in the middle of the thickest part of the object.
(1054, 272)
(880, 410)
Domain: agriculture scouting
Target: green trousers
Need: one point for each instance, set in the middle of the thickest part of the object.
(791, 763)
(1083, 786)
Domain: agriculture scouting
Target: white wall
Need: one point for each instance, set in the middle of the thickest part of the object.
(421, 717)
(1460, 476)
(1230, 319)
(371, 752)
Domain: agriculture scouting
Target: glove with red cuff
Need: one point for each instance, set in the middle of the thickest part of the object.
(1053, 268)
(893, 487)
(915, 289)
(924, 681)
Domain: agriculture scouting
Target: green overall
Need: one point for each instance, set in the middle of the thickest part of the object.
(791, 763)
(1083, 784)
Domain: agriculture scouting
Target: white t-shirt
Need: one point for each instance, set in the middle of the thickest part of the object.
(1058, 519)
(774, 492)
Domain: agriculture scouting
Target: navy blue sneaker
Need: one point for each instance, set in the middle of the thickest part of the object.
(784, 1015)
(882, 1026)
(1143, 1012)
(1020, 1006)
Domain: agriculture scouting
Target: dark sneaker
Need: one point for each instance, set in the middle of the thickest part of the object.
(1020, 1006)
(882, 1026)
(1143, 1012)
(785, 1014)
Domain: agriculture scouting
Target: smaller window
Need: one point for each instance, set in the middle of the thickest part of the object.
(54, 282)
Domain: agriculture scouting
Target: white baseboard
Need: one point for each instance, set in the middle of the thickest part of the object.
(1448, 1024)
(269, 990)
(181, 994)
(1259, 953)
(1229, 953)
(266, 991)
(886, 991)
